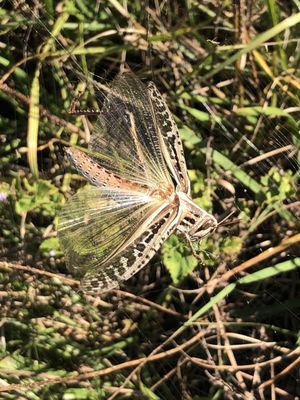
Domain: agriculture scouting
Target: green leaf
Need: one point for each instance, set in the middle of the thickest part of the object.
(24, 205)
(232, 245)
(197, 181)
(189, 138)
(199, 115)
(258, 110)
(50, 247)
(269, 272)
(82, 394)
(214, 300)
(4, 190)
(33, 122)
(148, 392)
(42, 196)
(44, 188)
(265, 273)
(9, 362)
(177, 259)
(280, 185)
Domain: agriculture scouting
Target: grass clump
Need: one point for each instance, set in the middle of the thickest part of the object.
(224, 328)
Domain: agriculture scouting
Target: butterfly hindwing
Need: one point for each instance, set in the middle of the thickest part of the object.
(135, 255)
(96, 222)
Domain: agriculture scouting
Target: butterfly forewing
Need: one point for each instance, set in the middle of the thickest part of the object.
(171, 143)
(125, 139)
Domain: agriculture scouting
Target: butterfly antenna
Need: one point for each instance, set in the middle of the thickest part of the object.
(222, 222)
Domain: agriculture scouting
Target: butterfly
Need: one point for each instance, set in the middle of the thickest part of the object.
(139, 193)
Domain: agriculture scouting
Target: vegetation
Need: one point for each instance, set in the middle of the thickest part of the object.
(223, 328)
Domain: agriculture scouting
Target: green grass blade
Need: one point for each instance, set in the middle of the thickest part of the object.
(256, 42)
(214, 300)
(265, 273)
(269, 272)
(237, 172)
(33, 122)
(34, 108)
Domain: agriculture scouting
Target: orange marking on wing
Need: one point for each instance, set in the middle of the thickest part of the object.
(99, 175)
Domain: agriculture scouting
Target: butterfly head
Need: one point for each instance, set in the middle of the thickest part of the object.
(196, 223)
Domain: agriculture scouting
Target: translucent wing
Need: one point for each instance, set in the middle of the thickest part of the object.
(110, 231)
(172, 145)
(96, 222)
(136, 253)
(104, 232)
(98, 175)
(126, 140)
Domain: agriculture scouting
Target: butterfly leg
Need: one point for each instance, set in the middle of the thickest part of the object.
(193, 250)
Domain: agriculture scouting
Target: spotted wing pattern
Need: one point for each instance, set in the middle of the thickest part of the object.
(136, 253)
(172, 145)
(98, 175)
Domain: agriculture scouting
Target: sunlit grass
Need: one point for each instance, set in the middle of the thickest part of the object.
(225, 327)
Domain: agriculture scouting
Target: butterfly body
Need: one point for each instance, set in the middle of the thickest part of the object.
(141, 192)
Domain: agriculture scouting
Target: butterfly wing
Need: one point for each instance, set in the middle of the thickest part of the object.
(136, 253)
(125, 139)
(108, 234)
(171, 143)
(97, 221)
